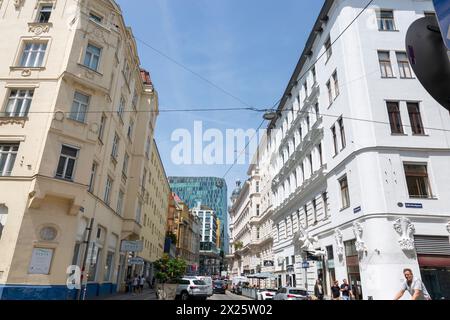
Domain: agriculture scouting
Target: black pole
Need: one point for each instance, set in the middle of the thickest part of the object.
(86, 252)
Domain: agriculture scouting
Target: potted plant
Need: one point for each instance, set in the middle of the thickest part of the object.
(168, 272)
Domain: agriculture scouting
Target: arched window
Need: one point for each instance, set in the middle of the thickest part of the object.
(3, 216)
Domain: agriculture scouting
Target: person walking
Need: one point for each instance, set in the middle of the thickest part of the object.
(318, 289)
(414, 286)
(135, 283)
(141, 283)
(346, 290)
(335, 291)
(129, 284)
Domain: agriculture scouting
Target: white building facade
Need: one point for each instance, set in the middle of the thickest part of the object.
(361, 158)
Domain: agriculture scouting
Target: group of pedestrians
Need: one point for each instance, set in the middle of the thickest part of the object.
(136, 284)
(413, 285)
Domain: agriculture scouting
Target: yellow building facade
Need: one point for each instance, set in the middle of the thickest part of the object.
(76, 133)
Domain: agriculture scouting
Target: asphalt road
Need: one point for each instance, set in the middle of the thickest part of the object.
(228, 296)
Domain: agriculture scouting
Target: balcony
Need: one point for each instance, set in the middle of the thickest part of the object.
(261, 241)
(131, 228)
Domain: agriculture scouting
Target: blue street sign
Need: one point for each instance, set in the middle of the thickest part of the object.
(356, 210)
(305, 265)
(414, 205)
(442, 8)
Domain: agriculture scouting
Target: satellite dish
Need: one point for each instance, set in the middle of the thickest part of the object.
(429, 59)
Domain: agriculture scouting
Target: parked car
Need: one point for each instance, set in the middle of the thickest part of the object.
(237, 288)
(209, 283)
(266, 294)
(288, 293)
(219, 286)
(191, 288)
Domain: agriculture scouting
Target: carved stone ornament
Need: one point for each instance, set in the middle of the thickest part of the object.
(405, 229)
(358, 231)
(338, 238)
(89, 74)
(304, 240)
(4, 121)
(38, 28)
(18, 3)
(26, 73)
(448, 227)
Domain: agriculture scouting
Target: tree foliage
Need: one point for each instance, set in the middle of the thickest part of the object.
(169, 270)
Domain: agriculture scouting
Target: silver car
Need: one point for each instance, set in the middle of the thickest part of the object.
(288, 293)
(189, 288)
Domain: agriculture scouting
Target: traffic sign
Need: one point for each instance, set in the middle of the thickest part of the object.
(131, 246)
(305, 265)
(442, 8)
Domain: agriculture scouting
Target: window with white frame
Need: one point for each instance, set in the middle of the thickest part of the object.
(8, 154)
(345, 195)
(115, 146)
(95, 17)
(417, 180)
(108, 188)
(138, 212)
(80, 106)
(386, 20)
(328, 48)
(45, 11)
(125, 165)
(92, 57)
(404, 66)
(385, 64)
(33, 54)
(101, 130)
(66, 164)
(336, 84)
(330, 92)
(342, 132)
(19, 102)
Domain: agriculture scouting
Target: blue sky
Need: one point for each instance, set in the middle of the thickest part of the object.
(247, 47)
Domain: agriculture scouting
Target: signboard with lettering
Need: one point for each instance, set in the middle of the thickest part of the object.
(357, 209)
(137, 261)
(41, 260)
(131, 246)
(414, 205)
(268, 263)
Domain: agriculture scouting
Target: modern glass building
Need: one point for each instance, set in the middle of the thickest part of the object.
(209, 191)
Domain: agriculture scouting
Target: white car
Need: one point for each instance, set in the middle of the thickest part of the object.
(209, 283)
(288, 293)
(266, 294)
(190, 288)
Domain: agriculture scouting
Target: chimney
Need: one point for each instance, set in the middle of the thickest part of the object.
(145, 75)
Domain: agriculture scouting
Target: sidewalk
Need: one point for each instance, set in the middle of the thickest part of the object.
(147, 294)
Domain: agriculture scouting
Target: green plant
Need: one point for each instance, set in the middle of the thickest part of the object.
(169, 270)
(238, 245)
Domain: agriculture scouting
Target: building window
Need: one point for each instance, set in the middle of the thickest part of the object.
(308, 123)
(19, 103)
(125, 165)
(330, 253)
(101, 130)
(144, 179)
(385, 20)
(135, 99)
(415, 118)
(317, 111)
(330, 93)
(311, 167)
(336, 85)
(417, 180)
(257, 210)
(33, 55)
(385, 64)
(394, 118)
(8, 154)
(80, 106)
(92, 178)
(305, 88)
(403, 65)
(305, 210)
(92, 57)
(130, 130)
(108, 187)
(147, 148)
(257, 233)
(328, 48)
(314, 205)
(95, 17)
(121, 107)
(109, 266)
(325, 203)
(345, 195)
(45, 12)
(342, 132)
(115, 147)
(257, 184)
(319, 148)
(300, 133)
(335, 142)
(120, 202)
(314, 75)
(66, 163)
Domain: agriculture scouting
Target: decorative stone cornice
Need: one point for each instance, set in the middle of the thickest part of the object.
(358, 231)
(39, 28)
(13, 120)
(448, 227)
(406, 230)
(18, 3)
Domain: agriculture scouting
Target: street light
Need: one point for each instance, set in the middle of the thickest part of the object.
(270, 115)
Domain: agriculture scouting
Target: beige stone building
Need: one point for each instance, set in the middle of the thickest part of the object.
(76, 132)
